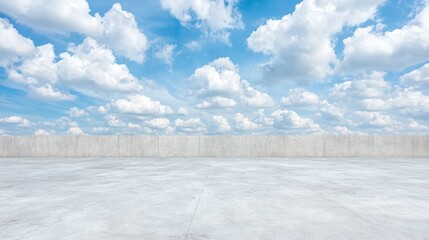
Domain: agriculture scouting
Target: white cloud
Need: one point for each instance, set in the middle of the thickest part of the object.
(243, 123)
(332, 111)
(48, 93)
(140, 104)
(60, 16)
(76, 112)
(369, 49)
(121, 33)
(103, 109)
(75, 131)
(285, 119)
(342, 130)
(301, 43)
(12, 44)
(113, 121)
(36, 69)
(183, 111)
(376, 119)
(217, 102)
(117, 29)
(190, 125)
(411, 101)
(43, 132)
(218, 77)
(255, 99)
(166, 53)
(157, 123)
(298, 97)
(371, 86)
(221, 77)
(87, 68)
(374, 104)
(418, 77)
(414, 125)
(90, 68)
(214, 17)
(22, 122)
(221, 123)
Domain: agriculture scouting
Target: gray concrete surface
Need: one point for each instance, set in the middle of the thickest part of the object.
(209, 198)
(215, 146)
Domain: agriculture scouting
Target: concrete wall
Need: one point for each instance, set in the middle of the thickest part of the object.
(215, 146)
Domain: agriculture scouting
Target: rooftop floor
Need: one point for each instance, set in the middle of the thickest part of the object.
(214, 199)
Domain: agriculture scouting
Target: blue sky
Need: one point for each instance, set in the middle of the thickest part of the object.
(214, 67)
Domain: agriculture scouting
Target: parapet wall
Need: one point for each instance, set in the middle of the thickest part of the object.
(214, 146)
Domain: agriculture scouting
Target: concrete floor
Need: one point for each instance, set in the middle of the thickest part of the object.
(214, 199)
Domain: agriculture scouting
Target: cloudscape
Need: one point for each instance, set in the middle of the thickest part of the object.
(220, 67)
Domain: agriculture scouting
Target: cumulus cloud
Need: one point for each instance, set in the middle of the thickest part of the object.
(290, 120)
(214, 17)
(48, 93)
(76, 112)
(375, 119)
(369, 92)
(254, 98)
(222, 79)
(43, 132)
(299, 97)
(141, 104)
(89, 68)
(370, 49)
(166, 53)
(243, 123)
(190, 125)
(117, 28)
(332, 111)
(411, 101)
(22, 122)
(342, 130)
(301, 43)
(217, 102)
(75, 131)
(222, 124)
(218, 77)
(157, 123)
(12, 44)
(418, 77)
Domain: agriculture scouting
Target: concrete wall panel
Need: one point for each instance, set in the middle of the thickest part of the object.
(179, 146)
(420, 146)
(214, 146)
(138, 146)
(22, 146)
(56, 146)
(340, 145)
(265, 146)
(304, 146)
(223, 146)
(97, 146)
(384, 146)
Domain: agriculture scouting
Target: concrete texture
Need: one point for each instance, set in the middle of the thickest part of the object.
(56, 146)
(340, 146)
(215, 146)
(97, 146)
(252, 199)
(304, 146)
(178, 146)
(265, 146)
(420, 146)
(138, 146)
(23, 146)
(223, 146)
